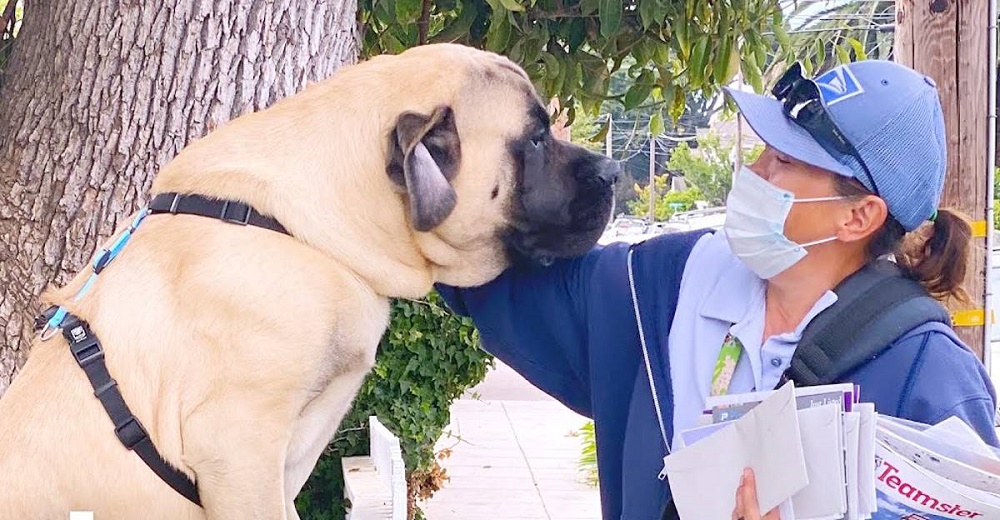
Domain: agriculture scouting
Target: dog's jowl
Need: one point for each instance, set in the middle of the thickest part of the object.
(236, 316)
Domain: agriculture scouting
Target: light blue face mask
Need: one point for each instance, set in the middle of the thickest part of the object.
(756, 211)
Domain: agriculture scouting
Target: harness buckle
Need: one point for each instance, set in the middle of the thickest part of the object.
(102, 260)
(239, 206)
(84, 345)
(42, 319)
(131, 432)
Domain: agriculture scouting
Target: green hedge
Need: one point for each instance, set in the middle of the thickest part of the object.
(428, 359)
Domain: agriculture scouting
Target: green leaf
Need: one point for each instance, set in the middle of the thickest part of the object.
(721, 65)
(595, 75)
(636, 94)
(783, 39)
(843, 56)
(696, 67)
(678, 105)
(602, 132)
(656, 123)
(760, 52)
(512, 5)
(643, 53)
(610, 13)
(389, 7)
(498, 36)
(680, 32)
(820, 49)
(551, 65)
(408, 10)
(577, 34)
(571, 79)
(661, 54)
(648, 13)
(751, 75)
(734, 65)
(458, 29)
(859, 49)
(589, 7)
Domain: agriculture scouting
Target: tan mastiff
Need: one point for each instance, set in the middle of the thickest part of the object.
(239, 348)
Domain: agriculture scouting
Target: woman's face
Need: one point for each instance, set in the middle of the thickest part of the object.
(807, 221)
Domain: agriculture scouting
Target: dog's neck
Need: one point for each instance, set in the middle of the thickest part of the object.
(307, 165)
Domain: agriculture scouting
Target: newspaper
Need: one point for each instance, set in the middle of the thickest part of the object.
(908, 492)
(860, 465)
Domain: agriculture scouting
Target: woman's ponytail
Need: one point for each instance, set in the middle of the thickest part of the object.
(937, 253)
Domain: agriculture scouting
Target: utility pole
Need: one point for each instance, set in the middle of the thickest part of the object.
(949, 41)
(738, 162)
(652, 179)
(608, 137)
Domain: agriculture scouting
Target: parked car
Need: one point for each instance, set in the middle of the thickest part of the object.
(634, 229)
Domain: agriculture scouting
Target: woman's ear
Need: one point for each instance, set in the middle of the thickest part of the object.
(863, 218)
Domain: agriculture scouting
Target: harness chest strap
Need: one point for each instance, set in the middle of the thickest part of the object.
(87, 350)
(89, 354)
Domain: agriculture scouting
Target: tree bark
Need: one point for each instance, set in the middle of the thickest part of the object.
(99, 94)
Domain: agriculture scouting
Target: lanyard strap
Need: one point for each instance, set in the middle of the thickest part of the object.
(725, 366)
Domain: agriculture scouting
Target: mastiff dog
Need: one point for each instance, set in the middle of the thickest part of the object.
(199, 366)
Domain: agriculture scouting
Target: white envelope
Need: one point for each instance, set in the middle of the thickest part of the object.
(852, 433)
(868, 501)
(825, 498)
(704, 476)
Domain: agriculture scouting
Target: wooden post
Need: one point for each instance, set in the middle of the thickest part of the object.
(609, 138)
(738, 162)
(652, 178)
(948, 41)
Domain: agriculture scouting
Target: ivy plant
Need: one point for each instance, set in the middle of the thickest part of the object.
(427, 359)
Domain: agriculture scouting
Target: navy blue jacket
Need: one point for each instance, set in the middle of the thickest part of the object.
(571, 330)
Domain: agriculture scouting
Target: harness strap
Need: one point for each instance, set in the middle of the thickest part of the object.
(89, 354)
(225, 210)
(87, 351)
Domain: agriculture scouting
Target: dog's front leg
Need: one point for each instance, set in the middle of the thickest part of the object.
(290, 512)
(239, 459)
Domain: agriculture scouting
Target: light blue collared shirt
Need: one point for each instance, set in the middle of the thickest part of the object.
(720, 295)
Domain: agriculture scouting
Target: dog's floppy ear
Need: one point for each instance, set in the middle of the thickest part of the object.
(424, 156)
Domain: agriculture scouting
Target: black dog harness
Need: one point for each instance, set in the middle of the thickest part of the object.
(87, 350)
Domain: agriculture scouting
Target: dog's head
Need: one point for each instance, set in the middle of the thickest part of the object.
(482, 176)
(433, 165)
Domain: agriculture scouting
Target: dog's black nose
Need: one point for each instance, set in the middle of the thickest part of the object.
(608, 171)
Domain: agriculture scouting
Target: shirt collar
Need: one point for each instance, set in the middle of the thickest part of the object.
(825, 301)
(738, 290)
(734, 293)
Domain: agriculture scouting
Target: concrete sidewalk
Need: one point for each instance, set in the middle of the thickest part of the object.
(514, 456)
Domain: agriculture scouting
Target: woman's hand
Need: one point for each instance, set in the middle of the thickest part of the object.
(746, 500)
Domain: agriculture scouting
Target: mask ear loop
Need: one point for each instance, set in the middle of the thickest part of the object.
(822, 199)
(817, 242)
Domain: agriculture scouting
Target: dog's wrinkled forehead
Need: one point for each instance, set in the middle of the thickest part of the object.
(504, 95)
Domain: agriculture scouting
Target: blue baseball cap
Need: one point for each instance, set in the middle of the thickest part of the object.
(890, 113)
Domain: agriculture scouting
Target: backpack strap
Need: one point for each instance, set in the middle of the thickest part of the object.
(874, 307)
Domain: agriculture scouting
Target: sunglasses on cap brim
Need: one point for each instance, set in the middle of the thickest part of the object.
(803, 104)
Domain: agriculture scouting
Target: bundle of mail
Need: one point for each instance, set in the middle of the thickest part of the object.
(820, 454)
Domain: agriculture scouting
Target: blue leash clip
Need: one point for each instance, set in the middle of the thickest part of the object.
(100, 261)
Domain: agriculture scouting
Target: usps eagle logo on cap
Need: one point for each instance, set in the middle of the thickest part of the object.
(838, 84)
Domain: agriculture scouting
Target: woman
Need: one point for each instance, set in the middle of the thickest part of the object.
(632, 335)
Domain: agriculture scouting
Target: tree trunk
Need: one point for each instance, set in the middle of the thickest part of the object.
(99, 94)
